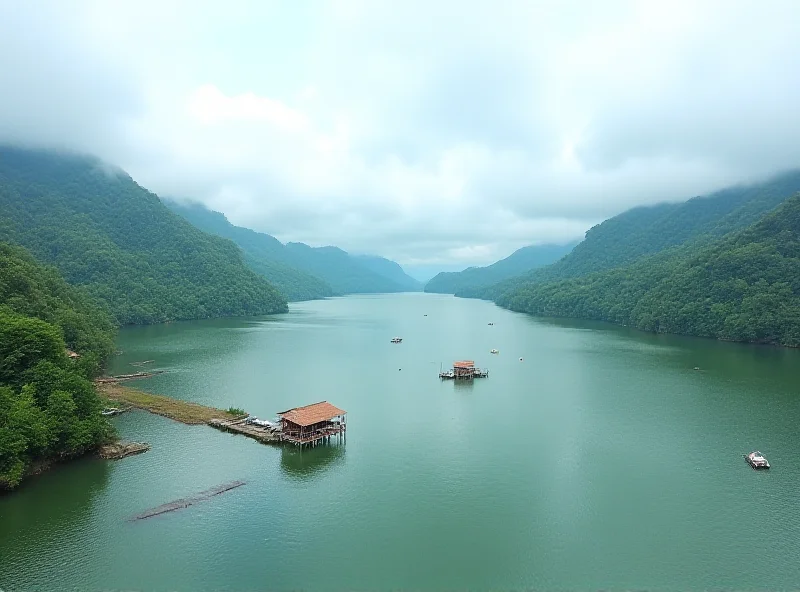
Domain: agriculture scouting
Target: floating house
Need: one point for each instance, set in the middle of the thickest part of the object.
(464, 370)
(312, 424)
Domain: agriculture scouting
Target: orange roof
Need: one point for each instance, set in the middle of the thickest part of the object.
(464, 364)
(311, 414)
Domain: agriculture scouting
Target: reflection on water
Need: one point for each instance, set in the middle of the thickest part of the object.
(74, 485)
(306, 463)
(468, 502)
(48, 508)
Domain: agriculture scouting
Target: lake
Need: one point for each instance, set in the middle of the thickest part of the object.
(601, 460)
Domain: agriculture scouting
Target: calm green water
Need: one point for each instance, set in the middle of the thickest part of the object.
(601, 461)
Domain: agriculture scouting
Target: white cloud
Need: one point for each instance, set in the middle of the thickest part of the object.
(437, 132)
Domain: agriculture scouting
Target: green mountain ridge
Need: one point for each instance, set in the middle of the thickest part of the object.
(120, 244)
(647, 230)
(263, 253)
(341, 270)
(391, 270)
(300, 271)
(744, 286)
(520, 261)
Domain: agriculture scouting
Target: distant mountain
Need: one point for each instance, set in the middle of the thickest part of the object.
(301, 271)
(390, 270)
(120, 244)
(263, 253)
(345, 273)
(647, 230)
(520, 261)
(743, 286)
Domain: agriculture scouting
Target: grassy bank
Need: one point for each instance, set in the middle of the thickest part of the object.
(183, 411)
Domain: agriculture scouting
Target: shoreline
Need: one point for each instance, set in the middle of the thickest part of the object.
(184, 411)
(109, 390)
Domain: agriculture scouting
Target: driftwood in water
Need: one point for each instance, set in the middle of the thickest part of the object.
(181, 503)
(134, 376)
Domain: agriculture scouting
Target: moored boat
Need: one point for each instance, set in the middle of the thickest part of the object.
(397, 340)
(756, 460)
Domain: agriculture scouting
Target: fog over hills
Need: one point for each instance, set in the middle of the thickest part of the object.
(362, 126)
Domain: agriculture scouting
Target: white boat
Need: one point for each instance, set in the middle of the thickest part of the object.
(494, 351)
(756, 460)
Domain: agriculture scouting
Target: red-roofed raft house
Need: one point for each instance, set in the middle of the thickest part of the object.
(464, 370)
(313, 423)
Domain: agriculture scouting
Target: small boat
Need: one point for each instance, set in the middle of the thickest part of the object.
(109, 411)
(491, 323)
(494, 351)
(756, 460)
(397, 340)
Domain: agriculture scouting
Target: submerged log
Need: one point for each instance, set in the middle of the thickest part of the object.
(181, 503)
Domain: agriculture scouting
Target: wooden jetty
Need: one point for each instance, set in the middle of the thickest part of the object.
(122, 377)
(464, 370)
(261, 434)
(312, 424)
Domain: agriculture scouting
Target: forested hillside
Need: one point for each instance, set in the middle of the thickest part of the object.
(300, 271)
(263, 253)
(744, 286)
(391, 270)
(342, 271)
(120, 244)
(520, 261)
(647, 230)
(48, 406)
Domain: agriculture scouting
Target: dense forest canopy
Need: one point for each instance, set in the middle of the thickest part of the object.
(647, 230)
(744, 286)
(120, 244)
(48, 406)
(32, 289)
(520, 261)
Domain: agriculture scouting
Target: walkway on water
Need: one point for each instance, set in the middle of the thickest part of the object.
(185, 411)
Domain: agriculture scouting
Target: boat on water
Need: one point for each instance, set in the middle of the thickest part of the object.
(491, 323)
(494, 351)
(756, 460)
(109, 411)
(397, 340)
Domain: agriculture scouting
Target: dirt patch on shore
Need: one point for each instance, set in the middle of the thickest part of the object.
(183, 411)
(119, 450)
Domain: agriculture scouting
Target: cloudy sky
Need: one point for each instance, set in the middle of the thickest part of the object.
(444, 133)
